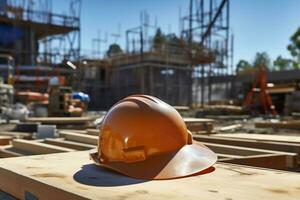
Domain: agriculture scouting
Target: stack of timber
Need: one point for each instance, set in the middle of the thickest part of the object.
(262, 137)
(199, 125)
(223, 109)
(65, 122)
(267, 154)
(291, 124)
(78, 140)
(38, 177)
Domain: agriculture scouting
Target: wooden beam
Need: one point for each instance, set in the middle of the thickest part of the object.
(69, 144)
(94, 132)
(268, 145)
(271, 161)
(290, 161)
(77, 137)
(182, 108)
(38, 147)
(230, 127)
(6, 152)
(15, 134)
(71, 175)
(60, 120)
(279, 124)
(262, 137)
(197, 120)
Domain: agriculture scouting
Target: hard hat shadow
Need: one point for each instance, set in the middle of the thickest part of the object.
(94, 175)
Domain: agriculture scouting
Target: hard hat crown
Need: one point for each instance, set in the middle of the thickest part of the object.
(140, 126)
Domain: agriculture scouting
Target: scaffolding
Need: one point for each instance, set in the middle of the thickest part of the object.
(39, 40)
(37, 35)
(207, 24)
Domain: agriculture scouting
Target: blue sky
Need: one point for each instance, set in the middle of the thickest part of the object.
(258, 25)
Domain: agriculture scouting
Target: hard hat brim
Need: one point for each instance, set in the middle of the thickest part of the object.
(190, 159)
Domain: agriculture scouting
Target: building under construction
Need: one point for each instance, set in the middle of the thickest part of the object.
(170, 70)
(39, 40)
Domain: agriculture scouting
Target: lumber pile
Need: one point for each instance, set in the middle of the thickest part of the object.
(262, 137)
(232, 151)
(64, 122)
(270, 154)
(60, 120)
(199, 125)
(223, 109)
(292, 124)
(40, 176)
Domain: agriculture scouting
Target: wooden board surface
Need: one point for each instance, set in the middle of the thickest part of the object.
(60, 176)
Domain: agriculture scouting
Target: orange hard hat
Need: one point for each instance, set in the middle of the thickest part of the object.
(144, 137)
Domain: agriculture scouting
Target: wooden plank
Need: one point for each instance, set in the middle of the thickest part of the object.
(182, 108)
(94, 132)
(5, 152)
(10, 151)
(230, 127)
(197, 120)
(69, 144)
(60, 120)
(271, 161)
(15, 134)
(60, 176)
(269, 145)
(74, 131)
(77, 137)
(281, 90)
(288, 160)
(38, 147)
(262, 137)
(279, 124)
(244, 151)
